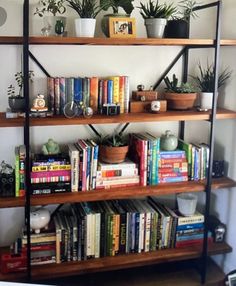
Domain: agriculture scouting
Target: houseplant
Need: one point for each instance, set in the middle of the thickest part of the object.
(155, 17)
(113, 148)
(178, 26)
(87, 11)
(179, 97)
(206, 81)
(17, 101)
(126, 5)
(49, 10)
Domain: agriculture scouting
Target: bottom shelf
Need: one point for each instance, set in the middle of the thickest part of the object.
(50, 271)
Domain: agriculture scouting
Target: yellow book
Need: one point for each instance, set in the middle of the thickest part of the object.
(116, 89)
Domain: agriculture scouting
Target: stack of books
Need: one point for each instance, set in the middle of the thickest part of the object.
(173, 166)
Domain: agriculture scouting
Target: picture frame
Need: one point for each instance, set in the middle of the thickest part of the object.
(232, 279)
(124, 27)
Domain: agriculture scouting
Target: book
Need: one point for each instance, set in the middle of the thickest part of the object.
(184, 220)
(74, 158)
(17, 171)
(78, 96)
(125, 172)
(126, 94)
(122, 94)
(116, 81)
(93, 100)
(109, 167)
(57, 95)
(51, 94)
(62, 86)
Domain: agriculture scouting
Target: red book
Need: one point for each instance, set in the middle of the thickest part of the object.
(93, 99)
(187, 243)
(172, 175)
(104, 91)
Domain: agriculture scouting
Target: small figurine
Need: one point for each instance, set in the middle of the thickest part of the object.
(51, 147)
(39, 104)
(39, 218)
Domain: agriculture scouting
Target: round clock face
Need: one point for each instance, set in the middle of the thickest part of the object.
(3, 16)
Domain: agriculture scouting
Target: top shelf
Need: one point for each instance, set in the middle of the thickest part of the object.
(39, 40)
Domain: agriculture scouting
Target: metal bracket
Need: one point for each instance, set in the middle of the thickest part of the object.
(38, 64)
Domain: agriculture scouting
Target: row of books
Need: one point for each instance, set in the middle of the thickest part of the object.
(92, 91)
(108, 228)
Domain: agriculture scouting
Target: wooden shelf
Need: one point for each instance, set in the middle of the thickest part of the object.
(122, 118)
(117, 193)
(11, 40)
(119, 262)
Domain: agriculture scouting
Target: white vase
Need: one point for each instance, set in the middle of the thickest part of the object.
(49, 23)
(85, 27)
(155, 27)
(206, 100)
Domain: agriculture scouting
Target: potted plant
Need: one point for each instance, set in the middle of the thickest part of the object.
(49, 10)
(113, 148)
(178, 27)
(155, 17)
(179, 97)
(206, 81)
(17, 101)
(126, 5)
(87, 11)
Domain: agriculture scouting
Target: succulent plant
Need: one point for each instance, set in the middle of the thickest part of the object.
(114, 140)
(155, 10)
(172, 86)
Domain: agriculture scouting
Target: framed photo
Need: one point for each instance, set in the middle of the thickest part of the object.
(232, 279)
(122, 27)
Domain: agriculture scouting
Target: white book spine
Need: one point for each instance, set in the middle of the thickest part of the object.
(74, 159)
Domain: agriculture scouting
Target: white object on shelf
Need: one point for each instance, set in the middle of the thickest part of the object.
(187, 203)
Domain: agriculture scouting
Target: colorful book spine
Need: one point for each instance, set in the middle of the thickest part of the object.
(78, 96)
(116, 81)
(110, 91)
(174, 179)
(125, 172)
(22, 156)
(93, 100)
(126, 94)
(51, 94)
(44, 174)
(122, 93)
(17, 172)
(62, 85)
(74, 159)
(57, 95)
(50, 168)
(105, 91)
(100, 95)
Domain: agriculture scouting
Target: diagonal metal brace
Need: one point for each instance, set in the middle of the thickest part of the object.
(95, 131)
(38, 64)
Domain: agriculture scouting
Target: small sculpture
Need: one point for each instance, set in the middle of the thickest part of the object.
(39, 218)
(39, 104)
(51, 147)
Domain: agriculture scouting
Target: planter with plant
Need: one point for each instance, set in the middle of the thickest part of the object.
(126, 5)
(178, 26)
(17, 101)
(87, 11)
(179, 97)
(205, 81)
(155, 17)
(50, 11)
(113, 148)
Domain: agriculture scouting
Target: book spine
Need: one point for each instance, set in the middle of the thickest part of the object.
(62, 84)
(118, 186)
(74, 159)
(78, 96)
(122, 93)
(93, 100)
(190, 226)
(105, 98)
(100, 95)
(57, 95)
(126, 94)
(17, 172)
(118, 173)
(114, 167)
(51, 94)
(190, 220)
(174, 179)
(48, 174)
(50, 168)
(22, 155)
(110, 91)
(173, 165)
(116, 81)
(172, 161)
(172, 175)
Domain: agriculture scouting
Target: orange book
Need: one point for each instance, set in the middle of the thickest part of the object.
(93, 101)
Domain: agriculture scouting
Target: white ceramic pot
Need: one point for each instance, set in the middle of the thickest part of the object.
(206, 100)
(49, 23)
(187, 203)
(39, 218)
(155, 27)
(85, 27)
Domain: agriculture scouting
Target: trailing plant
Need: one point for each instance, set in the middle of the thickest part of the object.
(127, 5)
(52, 6)
(172, 86)
(20, 82)
(85, 8)
(155, 10)
(206, 78)
(114, 140)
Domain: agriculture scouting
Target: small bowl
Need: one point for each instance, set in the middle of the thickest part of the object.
(187, 203)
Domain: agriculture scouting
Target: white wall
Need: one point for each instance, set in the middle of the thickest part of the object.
(142, 65)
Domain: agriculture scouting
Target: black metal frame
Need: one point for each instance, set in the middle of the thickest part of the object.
(185, 53)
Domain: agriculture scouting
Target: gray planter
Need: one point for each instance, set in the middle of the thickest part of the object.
(16, 103)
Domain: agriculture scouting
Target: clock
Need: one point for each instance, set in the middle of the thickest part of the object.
(3, 16)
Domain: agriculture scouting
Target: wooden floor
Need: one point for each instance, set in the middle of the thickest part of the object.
(178, 273)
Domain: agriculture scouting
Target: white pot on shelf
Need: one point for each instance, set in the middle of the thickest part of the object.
(85, 27)
(206, 100)
(155, 27)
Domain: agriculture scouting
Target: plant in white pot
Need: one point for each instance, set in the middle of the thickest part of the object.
(87, 11)
(206, 81)
(155, 17)
(50, 11)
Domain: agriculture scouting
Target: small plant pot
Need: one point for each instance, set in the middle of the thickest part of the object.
(16, 103)
(155, 27)
(111, 155)
(206, 99)
(85, 27)
(187, 203)
(180, 101)
(177, 29)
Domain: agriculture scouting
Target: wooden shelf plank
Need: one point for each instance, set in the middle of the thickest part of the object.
(11, 40)
(118, 262)
(122, 118)
(118, 193)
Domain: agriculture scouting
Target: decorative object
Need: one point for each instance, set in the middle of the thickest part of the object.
(10, 263)
(205, 82)
(218, 169)
(17, 102)
(88, 11)
(127, 6)
(122, 27)
(178, 27)
(51, 147)
(39, 104)
(39, 218)
(217, 228)
(49, 10)
(3, 16)
(155, 16)
(7, 180)
(168, 141)
(179, 97)
(144, 95)
(59, 28)
(113, 149)
(111, 109)
(145, 106)
(187, 203)
(155, 106)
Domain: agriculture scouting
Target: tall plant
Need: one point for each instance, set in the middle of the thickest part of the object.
(85, 8)
(127, 5)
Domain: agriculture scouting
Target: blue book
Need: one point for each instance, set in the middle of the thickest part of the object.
(190, 226)
(78, 94)
(110, 91)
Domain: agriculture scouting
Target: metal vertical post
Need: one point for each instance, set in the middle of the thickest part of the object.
(212, 135)
(26, 127)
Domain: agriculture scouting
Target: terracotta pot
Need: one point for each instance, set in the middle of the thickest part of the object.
(180, 101)
(110, 154)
